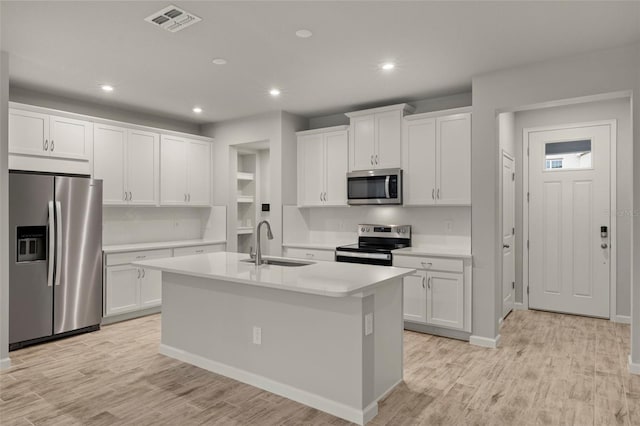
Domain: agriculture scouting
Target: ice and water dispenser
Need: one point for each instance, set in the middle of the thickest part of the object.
(32, 243)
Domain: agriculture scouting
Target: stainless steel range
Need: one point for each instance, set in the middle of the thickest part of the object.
(375, 243)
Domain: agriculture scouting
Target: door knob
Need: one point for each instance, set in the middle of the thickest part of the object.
(604, 245)
(506, 246)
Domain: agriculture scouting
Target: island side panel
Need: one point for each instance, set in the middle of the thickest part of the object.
(310, 343)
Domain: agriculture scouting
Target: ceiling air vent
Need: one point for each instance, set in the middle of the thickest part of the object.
(173, 19)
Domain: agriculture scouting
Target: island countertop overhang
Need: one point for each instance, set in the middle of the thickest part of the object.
(333, 279)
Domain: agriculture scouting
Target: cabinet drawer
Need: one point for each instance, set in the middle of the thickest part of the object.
(187, 251)
(429, 263)
(132, 256)
(309, 254)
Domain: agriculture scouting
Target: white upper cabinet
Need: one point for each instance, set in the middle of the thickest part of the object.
(143, 167)
(322, 167)
(109, 147)
(128, 163)
(376, 135)
(436, 159)
(185, 171)
(44, 135)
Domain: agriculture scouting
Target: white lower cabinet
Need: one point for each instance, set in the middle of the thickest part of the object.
(415, 297)
(438, 293)
(122, 290)
(188, 251)
(309, 254)
(150, 288)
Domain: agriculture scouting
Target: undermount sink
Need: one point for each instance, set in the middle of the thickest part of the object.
(279, 262)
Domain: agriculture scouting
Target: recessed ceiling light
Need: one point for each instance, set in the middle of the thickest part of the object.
(107, 87)
(219, 61)
(197, 110)
(388, 66)
(304, 33)
(274, 92)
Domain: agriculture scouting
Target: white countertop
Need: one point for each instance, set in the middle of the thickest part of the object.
(333, 279)
(158, 245)
(436, 251)
(316, 246)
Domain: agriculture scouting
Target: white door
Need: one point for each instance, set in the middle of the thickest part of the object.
(28, 133)
(453, 135)
(143, 158)
(311, 170)
(150, 288)
(388, 139)
(363, 144)
(569, 184)
(122, 292)
(199, 173)
(109, 162)
(335, 168)
(173, 170)
(508, 233)
(445, 299)
(419, 162)
(415, 297)
(70, 138)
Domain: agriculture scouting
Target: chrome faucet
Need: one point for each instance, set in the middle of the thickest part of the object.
(258, 254)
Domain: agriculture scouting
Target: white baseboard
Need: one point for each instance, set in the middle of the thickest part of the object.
(623, 319)
(520, 307)
(335, 408)
(634, 368)
(500, 322)
(5, 363)
(485, 342)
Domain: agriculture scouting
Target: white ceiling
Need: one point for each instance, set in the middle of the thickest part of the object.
(70, 48)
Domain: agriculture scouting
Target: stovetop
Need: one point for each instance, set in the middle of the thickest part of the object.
(380, 239)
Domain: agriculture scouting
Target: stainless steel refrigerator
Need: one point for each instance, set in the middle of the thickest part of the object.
(55, 273)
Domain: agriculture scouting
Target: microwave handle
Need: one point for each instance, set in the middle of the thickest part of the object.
(386, 186)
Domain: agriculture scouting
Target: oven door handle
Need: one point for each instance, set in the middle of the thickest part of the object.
(382, 256)
(386, 186)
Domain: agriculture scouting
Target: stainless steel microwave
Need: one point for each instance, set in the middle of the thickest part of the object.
(377, 187)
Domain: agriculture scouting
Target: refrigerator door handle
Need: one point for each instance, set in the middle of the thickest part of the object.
(52, 247)
(58, 241)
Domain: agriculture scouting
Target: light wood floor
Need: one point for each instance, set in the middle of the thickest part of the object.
(550, 369)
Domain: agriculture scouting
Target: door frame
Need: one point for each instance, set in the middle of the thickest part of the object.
(613, 131)
(507, 154)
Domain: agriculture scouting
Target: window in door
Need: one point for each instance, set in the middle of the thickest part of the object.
(568, 155)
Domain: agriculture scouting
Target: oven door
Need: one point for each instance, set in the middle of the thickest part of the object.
(374, 187)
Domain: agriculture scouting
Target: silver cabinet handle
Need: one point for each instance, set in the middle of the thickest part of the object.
(141, 257)
(58, 242)
(189, 197)
(125, 195)
(506, 246)
(325, 196)
(138, 273)
(45, 145)
(372, 159)
(429, 283)
(144, 272)
(321, 196)
(424, 264)
(200, 251)
(52, 247)
(185, 197)
(52, 146)
(433, 194)
(604, 245)
(310, 254)
(438, 194)
(376, 158)
(130, 196)
(423, 286)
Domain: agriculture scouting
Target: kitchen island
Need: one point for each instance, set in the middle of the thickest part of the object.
(328, 335)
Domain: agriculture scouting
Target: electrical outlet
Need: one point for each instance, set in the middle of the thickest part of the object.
(368, 324)
(257, 335)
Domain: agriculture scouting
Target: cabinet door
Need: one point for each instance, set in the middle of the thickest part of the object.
(70, 138)
(454, 159)
(109, 144)
(199, 173)
(335, 168)
(415, 297)
(388, 139)
(28, 133)
(150, 288)
(143, 157)
(173, 170)
(311, 170)
(419, 162)
(445, 299)
(122, 289)
(362, 143)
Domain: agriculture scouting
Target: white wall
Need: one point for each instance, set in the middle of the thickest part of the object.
(506, 90)
(5, 362)
(278, 129)
(424, 105)
(105, 110)
(620, 110)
